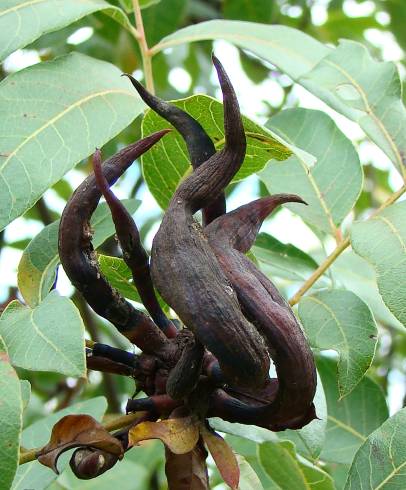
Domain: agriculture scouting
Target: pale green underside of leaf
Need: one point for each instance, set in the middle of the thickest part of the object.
(345, 78)
(381, 460)
(58, 112)
(34, 475)
(283, 259)
(37, 267)
(24, 21)
(358, 275)
(353, 418)
(167, 162)
(332, 185)
(49, 337)
(340, 320)
(290, 471)
(11, 408)
(382, 241)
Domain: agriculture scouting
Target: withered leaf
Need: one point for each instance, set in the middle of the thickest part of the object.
(77, 431)
(223, 456)
(187, 471)
(180, 435)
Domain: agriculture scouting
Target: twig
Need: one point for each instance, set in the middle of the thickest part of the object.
(145, 51)
(338, 251)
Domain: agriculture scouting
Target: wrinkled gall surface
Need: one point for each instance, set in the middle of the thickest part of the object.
(233, 320)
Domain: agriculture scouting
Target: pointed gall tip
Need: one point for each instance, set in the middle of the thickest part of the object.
(136, 84)
(97, 158)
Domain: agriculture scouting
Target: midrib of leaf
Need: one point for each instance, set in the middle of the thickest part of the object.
(20, 6)
(59, 116)
(315, 187)
(371, 113)
(48, 341)
(346, 427)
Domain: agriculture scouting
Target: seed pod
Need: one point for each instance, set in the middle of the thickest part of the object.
(185, 375)
(199, 145)
(231, 236)
(134, 254)
(79, 260)
(187, 274)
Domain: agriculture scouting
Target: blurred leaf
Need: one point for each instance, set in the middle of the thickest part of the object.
(162, 19)
(339, 26)
(258, 11)
(37, 267)
(332, 185)
(180, 435)
(77, 431)
(284, 259)
(11, 408)
(34, 475)
(25, 392)
(223, 456)
(382, 241)
(358, 276)
(57, 113)
(249, 480)
(38, 341)
(167, 163)
(353, 418)
(17, 28)
(366, 91)
(380, 461)
(397, 11)
(288, 471)
(340, 320)
(345, 78)
(127, 475)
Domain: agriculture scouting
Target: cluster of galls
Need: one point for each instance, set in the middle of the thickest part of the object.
(233, 317)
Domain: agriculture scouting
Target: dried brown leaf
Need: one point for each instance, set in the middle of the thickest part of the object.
(179, 435)
(223, 456)
(77, 431)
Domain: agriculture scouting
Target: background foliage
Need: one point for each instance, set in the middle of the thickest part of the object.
(61, 96)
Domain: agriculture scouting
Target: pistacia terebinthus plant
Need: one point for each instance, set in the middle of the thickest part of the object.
(233, 317)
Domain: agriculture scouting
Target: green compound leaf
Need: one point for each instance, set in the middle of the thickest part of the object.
(56, 113)
(49, 337)
(34, 475)
(167, 162)
(382, 241)
(345, 78)
(340, 320)
(11, 408)
(381, 460)
(351, 419)
(366, 91)
(24, 21)
(332, 185)
(37, 267)
(283, 259)
(290, 471)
